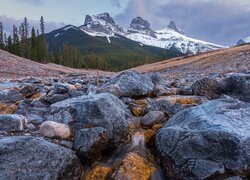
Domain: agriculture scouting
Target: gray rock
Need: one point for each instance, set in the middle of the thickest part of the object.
(89, 143)
(99, 110)
(238, 86)
(152, 118)
(27, 157)
(34, 111)
(129, 84)
(12, 122)
(29, 90)
(208, 141)
(66, 143)
(10, 96)
(208, 87)
(55, 98)
(61, 88)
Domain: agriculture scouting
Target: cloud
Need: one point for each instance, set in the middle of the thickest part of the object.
(116, 3)
(31, 2)
(8, 23)
(217, 21)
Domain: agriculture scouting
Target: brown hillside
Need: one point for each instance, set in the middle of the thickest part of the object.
(236, 59)
(12, 66)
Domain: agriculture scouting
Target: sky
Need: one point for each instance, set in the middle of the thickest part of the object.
(219, 21)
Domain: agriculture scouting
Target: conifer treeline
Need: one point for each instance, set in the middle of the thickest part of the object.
(25, 41)
(30, 43)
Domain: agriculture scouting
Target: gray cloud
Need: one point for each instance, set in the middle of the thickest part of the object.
(116, 3)
(8, 23)
(32, 2)
(217, 21)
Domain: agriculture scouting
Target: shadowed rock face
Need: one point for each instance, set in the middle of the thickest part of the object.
(34, 158)
(208, 141)
(97, 110)
(129, 84)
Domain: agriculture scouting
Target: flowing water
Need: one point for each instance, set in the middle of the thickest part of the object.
(137, 146)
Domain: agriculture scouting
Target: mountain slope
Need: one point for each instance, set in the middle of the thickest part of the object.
(236, 59)
(116, 50)
(172, 37)
(243, 41)
(13, 66)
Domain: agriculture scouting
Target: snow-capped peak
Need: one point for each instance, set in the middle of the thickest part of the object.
(173, 26)
(244, 41)
(101, 25)
(139, 25)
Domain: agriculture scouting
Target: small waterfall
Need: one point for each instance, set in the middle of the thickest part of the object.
(138, 139)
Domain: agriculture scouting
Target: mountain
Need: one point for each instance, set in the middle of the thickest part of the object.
(172, 37)
(243, 41)
(118, 51)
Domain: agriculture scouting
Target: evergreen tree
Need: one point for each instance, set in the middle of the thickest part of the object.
(9, 44)
(16, 44)
(1, 36)
(43, 50)
(33, 44)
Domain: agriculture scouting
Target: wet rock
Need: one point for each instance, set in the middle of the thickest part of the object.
(128, 84)
(10, 96)
(89, 143)
(98, 110)
(134, 166)
(12, 122)
(208, 141)
(208, 87)
(152, 118)
(26, 157)
(99, 172)
(53, 129)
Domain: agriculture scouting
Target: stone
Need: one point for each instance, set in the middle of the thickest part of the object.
(134, 166)
(61, 88)
(28, 90)
(98, 110)
(238, 86)
(56, 98)
(99, 172)
(152, 118)
(211, 140)
(8, 108)
(208, 87)
(27, 157)
(12, 122)
(33, 110)
(53, 129)
(10, 96)
(128, 84)
(160, 90)
(90, 142)
(66, 143)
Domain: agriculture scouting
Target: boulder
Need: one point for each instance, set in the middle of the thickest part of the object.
(27, 157)
(61, 88)
(152, 118)
(238, 86)
(128, 84)
(208, 87)
(55, 98)
(53, 129)
(28, 90)
(34, 111)
(10, 96)
(211, 140)
(12, 122)
(97, 110)
(89, 143)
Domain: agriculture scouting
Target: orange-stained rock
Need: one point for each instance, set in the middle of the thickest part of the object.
(156, 127)
(8, 109)
(134, 167)
(149, 136)
(99, 172)
(36, 96)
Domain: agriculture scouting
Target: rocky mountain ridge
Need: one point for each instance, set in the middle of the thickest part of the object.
(140, 31)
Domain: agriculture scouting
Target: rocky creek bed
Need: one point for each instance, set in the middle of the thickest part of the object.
(133, 126)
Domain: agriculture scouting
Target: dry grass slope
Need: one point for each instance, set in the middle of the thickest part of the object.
(236, 59)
